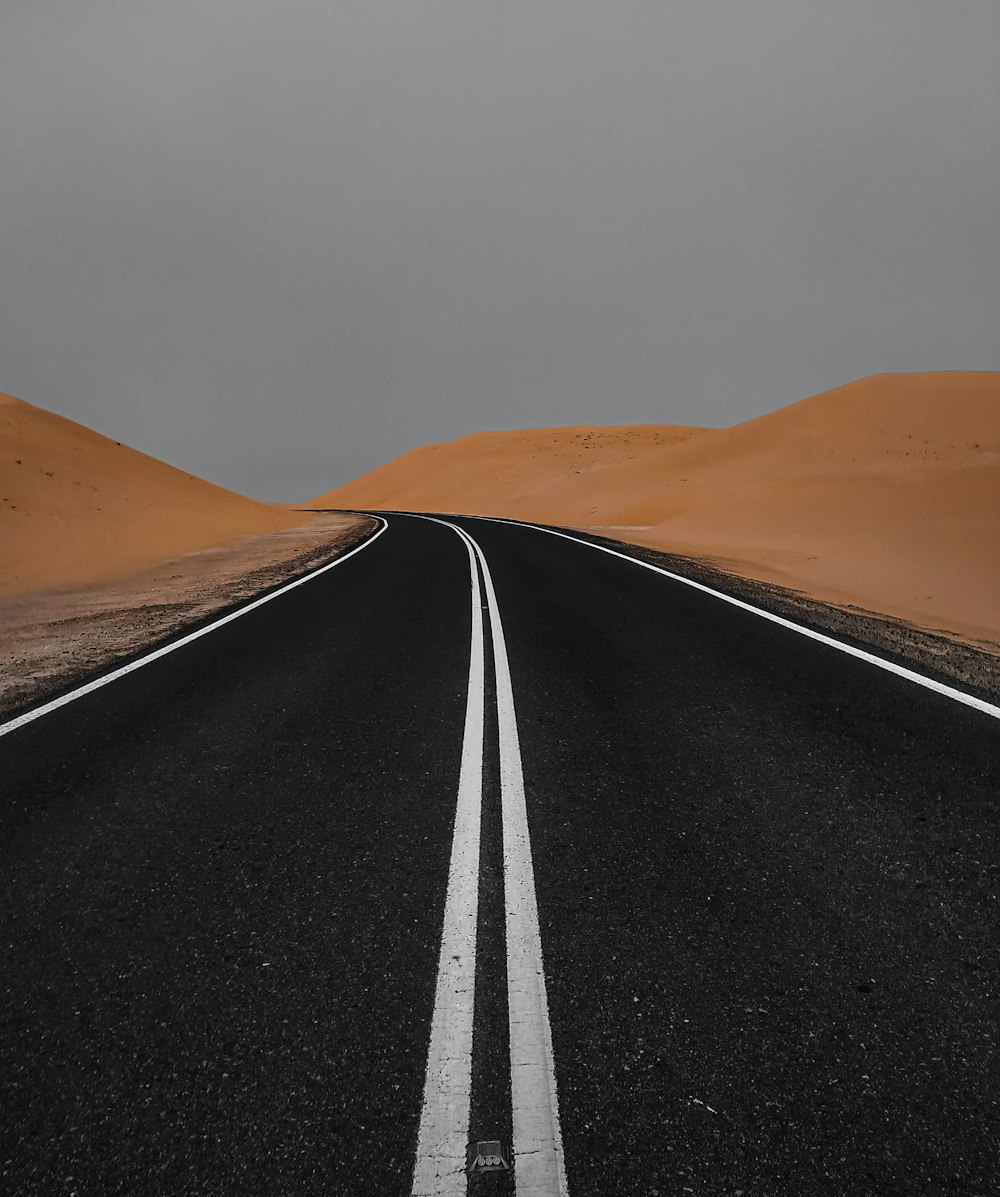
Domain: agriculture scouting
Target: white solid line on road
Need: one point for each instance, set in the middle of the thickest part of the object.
(115, 674)
(539, 1166)
(911, 675)
(444, 1118)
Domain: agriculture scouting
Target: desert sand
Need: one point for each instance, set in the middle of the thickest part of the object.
(55, 637)
(78, 508)
(105, 551)
(883, 494)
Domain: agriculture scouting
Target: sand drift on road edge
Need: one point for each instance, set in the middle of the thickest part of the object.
(77, 508)
(56, 638)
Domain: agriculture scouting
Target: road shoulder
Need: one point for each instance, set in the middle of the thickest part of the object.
(54, 639)
(972, 665)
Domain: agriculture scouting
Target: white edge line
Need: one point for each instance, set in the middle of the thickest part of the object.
(911, 675)
(540, 1169)
(439, 1170)
(105, 679)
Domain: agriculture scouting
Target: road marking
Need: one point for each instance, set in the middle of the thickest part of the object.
(538, 1152)
(115, 674)
(444, 1118)
(911, 675)
(539, 1166)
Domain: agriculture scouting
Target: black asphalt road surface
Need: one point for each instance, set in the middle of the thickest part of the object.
(767, 878)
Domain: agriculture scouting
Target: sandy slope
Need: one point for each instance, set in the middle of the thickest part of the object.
(76, 507)
(550, 470)
(55, 637)
(884, 493)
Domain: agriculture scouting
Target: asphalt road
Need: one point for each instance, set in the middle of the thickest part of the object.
(766, 877)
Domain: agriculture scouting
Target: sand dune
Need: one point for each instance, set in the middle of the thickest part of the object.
(884, 494)
(537, 473)
(78, 508)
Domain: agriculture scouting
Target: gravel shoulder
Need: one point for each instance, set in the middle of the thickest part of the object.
(53, 639)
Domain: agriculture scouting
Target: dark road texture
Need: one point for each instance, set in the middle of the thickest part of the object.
(767, 879)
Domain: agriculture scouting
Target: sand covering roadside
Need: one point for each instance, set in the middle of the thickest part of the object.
(104, 551)
(882, 495)
(77, 507)
(53, 638)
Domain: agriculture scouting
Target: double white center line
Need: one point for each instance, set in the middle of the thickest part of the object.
(539, 1170)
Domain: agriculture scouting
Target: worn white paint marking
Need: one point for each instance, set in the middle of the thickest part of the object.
(911, 675)
(132, 666)
(539, 1169)
(444, 1119)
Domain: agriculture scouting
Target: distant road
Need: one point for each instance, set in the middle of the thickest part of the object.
(481, 832)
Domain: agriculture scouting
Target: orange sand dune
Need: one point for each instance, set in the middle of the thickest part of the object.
(884, 493)
(76, 507)
(551, 471)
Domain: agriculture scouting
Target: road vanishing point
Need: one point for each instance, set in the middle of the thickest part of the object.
(483, 834)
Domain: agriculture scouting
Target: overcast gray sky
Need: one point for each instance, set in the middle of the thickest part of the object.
(279, 242)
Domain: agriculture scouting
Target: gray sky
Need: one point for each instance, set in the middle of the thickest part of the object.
(280, 242)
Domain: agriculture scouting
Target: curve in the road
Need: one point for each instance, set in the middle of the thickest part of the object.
(766, 876)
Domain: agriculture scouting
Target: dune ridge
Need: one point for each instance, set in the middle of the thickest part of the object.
(882, 494)
(77, 507)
